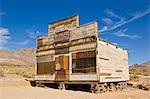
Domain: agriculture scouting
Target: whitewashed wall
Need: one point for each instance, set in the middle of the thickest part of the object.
(112, 63)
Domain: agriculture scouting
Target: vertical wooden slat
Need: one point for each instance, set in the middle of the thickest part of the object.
(61, 62)
(66, 66)
(66, 62)
(67, 74)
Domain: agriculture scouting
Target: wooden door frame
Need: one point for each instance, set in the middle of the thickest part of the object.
(67, 70)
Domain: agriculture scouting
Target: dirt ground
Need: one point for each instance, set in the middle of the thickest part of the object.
(15, 87)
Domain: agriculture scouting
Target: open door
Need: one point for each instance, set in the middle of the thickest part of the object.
(62, 68)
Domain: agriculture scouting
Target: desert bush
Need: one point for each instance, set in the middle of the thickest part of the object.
(1, 73)
(139, 72)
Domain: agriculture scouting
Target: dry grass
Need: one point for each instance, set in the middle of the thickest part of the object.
(25, 71)
(144, 72)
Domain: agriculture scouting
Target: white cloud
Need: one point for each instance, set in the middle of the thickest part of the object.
(105, 28)
(4, 37)
(123, 21)
(25, 42)
(112, 14)
(122, 33)
(33, 35)
(107, 21)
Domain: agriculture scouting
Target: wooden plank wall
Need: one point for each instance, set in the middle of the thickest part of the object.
(83, 31)
(76, 35)
(69, 23)
(112, 62)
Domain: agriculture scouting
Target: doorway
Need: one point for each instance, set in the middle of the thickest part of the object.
(62, 67)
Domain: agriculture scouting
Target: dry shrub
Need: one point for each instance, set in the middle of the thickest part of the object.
(143, 72)
(1, 73)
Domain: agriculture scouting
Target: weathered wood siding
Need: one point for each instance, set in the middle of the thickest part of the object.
(45, 77)
(83, 31)
(51, 52)
(45, 58)
(82, 47)
(112, 63)
(83, 77)
(45, 40)
(68, 23)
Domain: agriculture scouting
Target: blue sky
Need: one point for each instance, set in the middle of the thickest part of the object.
(123, 22)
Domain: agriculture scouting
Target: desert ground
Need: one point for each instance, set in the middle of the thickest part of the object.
(16, 87)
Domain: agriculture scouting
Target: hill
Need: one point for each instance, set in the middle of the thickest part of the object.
(23, 56)
(19, 61)
(141, 69)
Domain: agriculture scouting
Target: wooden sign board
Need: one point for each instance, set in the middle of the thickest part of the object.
(61, 37)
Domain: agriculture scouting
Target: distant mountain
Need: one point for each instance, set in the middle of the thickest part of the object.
(22, 56)
(141, 69)
(145, 65)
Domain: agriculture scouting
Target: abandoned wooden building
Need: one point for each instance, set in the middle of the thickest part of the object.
(71, 53)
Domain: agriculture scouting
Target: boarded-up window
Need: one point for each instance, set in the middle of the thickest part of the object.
(45, 64)
(84, 62)
(46, 68)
